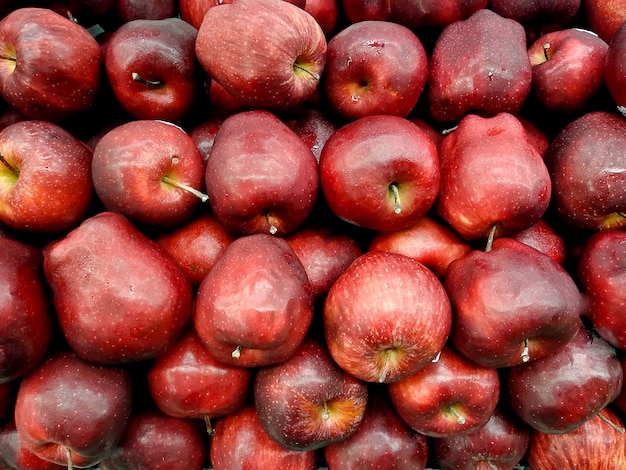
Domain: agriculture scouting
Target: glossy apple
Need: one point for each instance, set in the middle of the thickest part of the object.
(7, 397)
(45, 178)
(604, 16)
(386, 317)
(282, 70)
(73, 412)
(491, 176)
(325, 12)
(422, 14)
(15, 456)
(373, 68)
(382, 440)
(132, 301)
(308, 402)
(544, 238)
(479, 65)
(314, 127)
(49, 66)
(614, 73)
(129, 10)
(203, 134)
(366, 10)
(260, 176)
(619, 403)
(451, 395)
(511, 305)
(150, 171)
(255, 306)
(151, 68)
(380, 172)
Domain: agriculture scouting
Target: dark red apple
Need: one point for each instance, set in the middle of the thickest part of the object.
(15, 456)
(420, 14)
(325, 12)
(542, 237)
(203, 134)
(604, 16)
(314, 127)
(366, 10)
(614, 72)
(129, 10)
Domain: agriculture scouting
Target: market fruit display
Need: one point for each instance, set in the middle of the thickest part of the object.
(312, 234)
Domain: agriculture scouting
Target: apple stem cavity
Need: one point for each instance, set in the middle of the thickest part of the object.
(492, 465)
(11, 168)
(459, 418)
(298, 66)
(209, 427)
(617, 427)
(273, 229)
(490, 238)
(397, 205)
(153, 83)
(237, 352)
(525, 354)
(546, 47)
(70, 464)
(326, 414)
(200, 195)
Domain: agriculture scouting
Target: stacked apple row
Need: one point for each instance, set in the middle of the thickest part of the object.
(292, 234)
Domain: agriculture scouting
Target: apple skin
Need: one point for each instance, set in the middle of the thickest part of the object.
(586, 372)
(509, 296)
(203, 134)
(498, 445)
(604, 16)
(132, 302)
(419, 14)
(567, 69)
(614, 72)
(314, 127)
(129, 167)
(374, 68)
(156, 441)
(162, 54)
(240, 442)
(600, 269)
(15, 456)
(599, 443)
(260, 176)
(46, 183)
(498, 77)
(279, 72)
(619, 404)
(366, 162)
(325, 12)
(451, 395)
(587, 163)
(356, 11)
(25, 318)
(193, 11)
(50, 66)
(129, 10)
(255, 306)
(308, 402)
(382, 440)
(542, 237)
(386, 317)
(68, 408)
(483, 186)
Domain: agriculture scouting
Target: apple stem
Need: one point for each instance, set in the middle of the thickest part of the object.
(525, 354)
(436, 359)
(449, 130)
(546, 46)
(273, 228)
(70, 464)
(140, 79)
(11, 168)
(209, 427)
(622, 110)
(304, 69)
(397, 205)
(459, 419)
(490, 237)
(618, 428)
(492, 465)
(237, 352)
(326, 414)
(200, 195)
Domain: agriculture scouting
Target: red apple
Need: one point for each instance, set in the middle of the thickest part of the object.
(451, 395)
(419, 14)
(193, 11)
(386, 317)
(491, 176)
(255, 306)
(604, 16)
(150, 171)
(119, 297)
(308, 402)
(240, 442)
(129, 10)
(511, 305)
(325, 12)
(542, 237)
(536, 134)
(619, 403)
(366, 10)
(380, 172)
(73, 412)
(151, 68)
(49, 65)
(280, 71)
(382, 440)
(314, 127)
(614, 71)
(374, 67)
(203, 134)
(15, 456)
(45, 178)
(260, 176)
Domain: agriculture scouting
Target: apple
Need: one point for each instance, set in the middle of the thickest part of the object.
(500, 444)
(478, 65)
(619, 403)
(386, 317)
(511, 305)
(188, 382)
(587, 164)
(451, 395)
(492, 178)
(614, 72)
(429, 241)
(356, 11)
(150, 171)
(600, 269)
(325, 12)
(380, 172)
(240, 442)
(129, 10)
(49, 65)
(15, 456)
(308, 402)
(604, 16)
(25, 317)
(193, 11)
(314, 127)
(261, 177)
(45, 178)
(196, 246)
(151, 68)
(280, 71)
(537, 135)
(544, 238)
(154, 440)
(382, 440)
(437, 14)
(119, 297)
(567, 69)
(203, 134)
(586, 372)
(374, 67)
(255, 306)
(222, 102)
(73, 412)
(599, 443)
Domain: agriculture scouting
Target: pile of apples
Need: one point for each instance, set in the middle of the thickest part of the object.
(351, 234)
